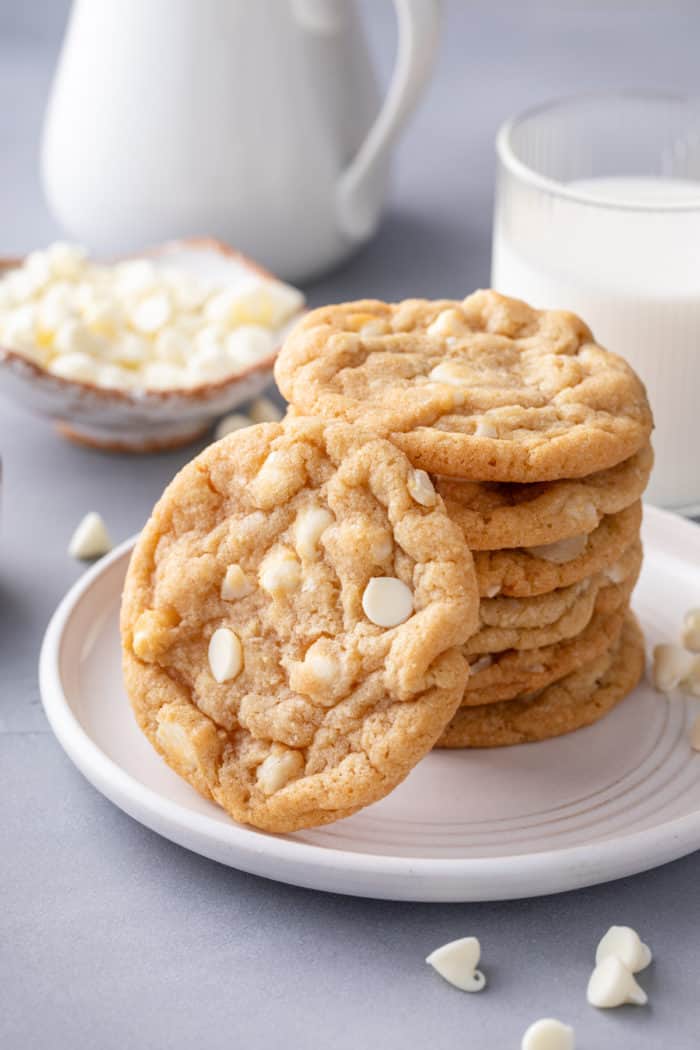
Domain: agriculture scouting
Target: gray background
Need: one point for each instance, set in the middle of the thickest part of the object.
(113, 937)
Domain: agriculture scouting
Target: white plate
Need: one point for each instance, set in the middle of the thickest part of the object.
(611, 800)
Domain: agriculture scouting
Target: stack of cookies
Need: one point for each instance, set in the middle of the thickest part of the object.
(537, 440)
(436, 547)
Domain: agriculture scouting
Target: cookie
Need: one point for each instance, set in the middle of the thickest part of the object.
(525, 573)
(503, 676)
(603, 594)
(494, 516)
(487, 389)
(542, 610)
(577, 700)
(290, 622)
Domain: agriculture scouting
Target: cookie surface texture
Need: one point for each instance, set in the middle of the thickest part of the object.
(290, 622)
(487, 388)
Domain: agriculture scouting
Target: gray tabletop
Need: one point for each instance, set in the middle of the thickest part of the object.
(113, 937)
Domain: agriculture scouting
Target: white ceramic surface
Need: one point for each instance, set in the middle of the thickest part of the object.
(257, 122)
(141, 420)
(611, 800)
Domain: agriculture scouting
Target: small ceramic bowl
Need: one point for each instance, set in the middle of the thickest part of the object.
(133, 420)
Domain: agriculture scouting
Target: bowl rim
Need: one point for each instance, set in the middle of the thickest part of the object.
(201, 392)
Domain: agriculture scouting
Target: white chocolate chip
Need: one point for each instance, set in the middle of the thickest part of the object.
(280, 766)
(671, 666)
(176, 743)
(561, 551)
(387, 601)
(268, 303)
(235, 584)
(135, 276)
(263, 410)
(225, 654)
(690, 635)
(447, 323)
(130, 349)
(548, 1034)
(492, 591)
(80, 368)
(90, 539)
(280, 572)
(210, 364)
(457, 963)
(452, 373)
(151, 313)
(625, 943)
(373, 328)
(694, 735)
(171, 346)
(66, 260)
(310, 525)
(482, 664)
(421, 488)
(323, 666)
(75, 337)
(382, 548)
(616, 573)
(485, 429)
(227, 425)
(250, 343)
(612, 984)
(156, 375)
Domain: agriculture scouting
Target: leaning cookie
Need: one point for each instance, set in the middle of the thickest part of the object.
(576, 701)
(290, 622)
(487, 389)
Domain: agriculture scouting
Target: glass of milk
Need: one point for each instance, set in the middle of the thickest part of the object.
(598, 211)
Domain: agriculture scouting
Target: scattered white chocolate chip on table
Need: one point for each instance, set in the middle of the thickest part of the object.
(626, 944)
(387, 601)
(611, 984)
(90, 539)
(671, 666)
(263, 410)
(548, 1034)
(457, 962)
(227, 425)
(690, 634)
(225, 655)
(177, 320)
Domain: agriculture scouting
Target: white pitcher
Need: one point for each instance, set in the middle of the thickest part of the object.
(256, 121)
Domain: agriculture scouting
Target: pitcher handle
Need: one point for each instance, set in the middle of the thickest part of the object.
(358, 196)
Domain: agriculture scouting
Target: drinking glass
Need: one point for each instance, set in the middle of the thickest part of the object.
(598, 211)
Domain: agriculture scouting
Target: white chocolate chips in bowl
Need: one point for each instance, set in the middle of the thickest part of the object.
(145, 353)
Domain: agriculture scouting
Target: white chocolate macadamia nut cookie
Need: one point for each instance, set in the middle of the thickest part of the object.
(291, 622)
(487, 389)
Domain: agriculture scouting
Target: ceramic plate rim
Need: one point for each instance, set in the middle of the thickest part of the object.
(616, 857)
